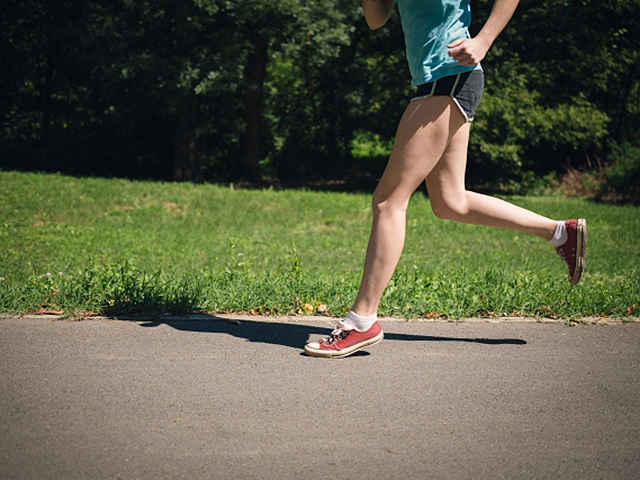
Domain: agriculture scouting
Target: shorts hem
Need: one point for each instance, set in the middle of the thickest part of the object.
(464, 114)
(465, 89)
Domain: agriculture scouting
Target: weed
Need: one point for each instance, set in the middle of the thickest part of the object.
(289, 252)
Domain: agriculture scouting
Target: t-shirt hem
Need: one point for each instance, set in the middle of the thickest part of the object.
(453, 70)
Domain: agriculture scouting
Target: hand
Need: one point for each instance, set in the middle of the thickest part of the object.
(468, 51)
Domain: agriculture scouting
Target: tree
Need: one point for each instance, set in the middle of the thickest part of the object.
(222, 89)
(289, 28)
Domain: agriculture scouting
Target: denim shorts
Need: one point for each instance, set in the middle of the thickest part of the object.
(465, 89)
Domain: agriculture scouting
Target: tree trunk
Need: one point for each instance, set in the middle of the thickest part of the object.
(45, 113)
(254, 102)
(618, 130)
(46, 86)
(186, 156)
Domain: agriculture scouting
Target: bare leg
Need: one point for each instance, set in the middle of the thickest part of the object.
(423, 135)
(431, 142)
(450, 200)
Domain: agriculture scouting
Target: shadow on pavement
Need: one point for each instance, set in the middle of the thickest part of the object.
(293, 334)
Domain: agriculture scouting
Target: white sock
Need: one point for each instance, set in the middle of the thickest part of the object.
(559, 235)
(358, 322)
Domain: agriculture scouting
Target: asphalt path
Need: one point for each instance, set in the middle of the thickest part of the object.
(235, 398)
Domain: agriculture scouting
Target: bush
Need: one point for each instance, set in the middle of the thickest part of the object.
(370, 145)
(516, 134)
(622, 176)
(528, 183)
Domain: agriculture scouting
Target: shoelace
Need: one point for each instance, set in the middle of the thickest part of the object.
(562, 253)
(336, 334)
(566, 253)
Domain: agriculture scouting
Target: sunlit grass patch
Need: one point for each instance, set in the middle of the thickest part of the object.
(113, 246)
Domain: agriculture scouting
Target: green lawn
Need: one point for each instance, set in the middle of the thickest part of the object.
(113, 245)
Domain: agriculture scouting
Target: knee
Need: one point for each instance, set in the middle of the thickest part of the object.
(450, 207)
(386, 206)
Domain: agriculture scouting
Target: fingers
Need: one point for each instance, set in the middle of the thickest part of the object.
(465, 52)
(458, 49)
(465, 60)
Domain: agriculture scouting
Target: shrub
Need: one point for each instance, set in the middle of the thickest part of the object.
(622, 176)
(516, 132)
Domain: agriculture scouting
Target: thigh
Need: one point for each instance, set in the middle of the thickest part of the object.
(447, 178)
(423, 135)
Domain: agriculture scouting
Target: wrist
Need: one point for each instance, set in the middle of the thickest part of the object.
(485, 40)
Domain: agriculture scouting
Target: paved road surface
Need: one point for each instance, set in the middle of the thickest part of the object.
(222, 399)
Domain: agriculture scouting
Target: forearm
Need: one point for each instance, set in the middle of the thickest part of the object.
(501, 13)
(377, 12)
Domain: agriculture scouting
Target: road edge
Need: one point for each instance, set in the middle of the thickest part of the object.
(594, 320)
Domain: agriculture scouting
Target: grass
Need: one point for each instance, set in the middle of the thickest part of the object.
(112, 246)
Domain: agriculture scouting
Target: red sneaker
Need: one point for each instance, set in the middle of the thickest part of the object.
(574, 250)
(342, 343)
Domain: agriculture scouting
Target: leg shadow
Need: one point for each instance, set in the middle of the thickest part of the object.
(292, 334)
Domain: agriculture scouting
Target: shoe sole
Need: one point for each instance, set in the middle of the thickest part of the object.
(581, 251)
(345, 352)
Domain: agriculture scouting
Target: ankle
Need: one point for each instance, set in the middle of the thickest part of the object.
(559, 236)
(362, 323)
(364, 309)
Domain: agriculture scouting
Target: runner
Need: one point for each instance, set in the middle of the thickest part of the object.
(431, 144)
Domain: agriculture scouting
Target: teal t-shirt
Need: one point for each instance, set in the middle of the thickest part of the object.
(429, 26)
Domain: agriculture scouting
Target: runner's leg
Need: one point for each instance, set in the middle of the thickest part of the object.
(423, 135)
(450, 200)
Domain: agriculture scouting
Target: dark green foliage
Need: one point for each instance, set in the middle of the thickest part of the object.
(622, 177)
(516, 132)
(223, 89)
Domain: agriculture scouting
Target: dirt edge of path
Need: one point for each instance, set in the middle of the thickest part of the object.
(239, 317)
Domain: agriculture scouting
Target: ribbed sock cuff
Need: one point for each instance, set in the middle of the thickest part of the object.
(359, 322)
(560, 235)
